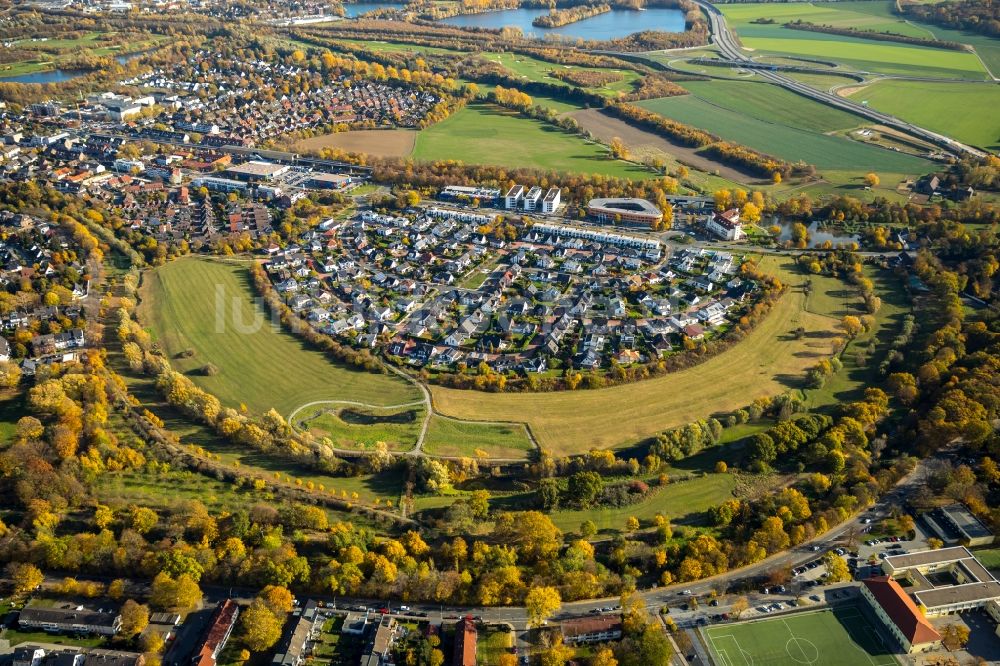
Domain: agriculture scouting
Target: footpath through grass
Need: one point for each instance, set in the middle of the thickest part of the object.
(834, 637)
(205, 306)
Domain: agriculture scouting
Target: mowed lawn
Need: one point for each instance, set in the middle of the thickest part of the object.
(206, 306)
(767, 362)
(861, 54)
(835, 637)
(934, 105)
(486, 134)
(720, 112)
(448, 437)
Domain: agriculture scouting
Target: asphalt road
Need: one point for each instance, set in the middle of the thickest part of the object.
(724, 39)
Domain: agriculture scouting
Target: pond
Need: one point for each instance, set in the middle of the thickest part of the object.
(60, 75)
(819, 234)
(359, 8)
(610, 25)
(51, 76)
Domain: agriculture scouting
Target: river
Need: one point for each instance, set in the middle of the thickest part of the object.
(610, 25)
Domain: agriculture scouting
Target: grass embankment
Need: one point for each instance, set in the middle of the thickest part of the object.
(205, 306)
(486, 134)
(361, 427)
(767, 362)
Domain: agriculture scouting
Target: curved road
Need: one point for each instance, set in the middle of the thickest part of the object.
(723, 38)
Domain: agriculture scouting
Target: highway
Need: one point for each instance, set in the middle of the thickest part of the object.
(723, 38)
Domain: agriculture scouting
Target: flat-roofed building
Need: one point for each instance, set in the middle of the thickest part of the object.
(533, 199)
(638, 211)
(955, 524)
(328, 181)
(945, 581)
(552, 200)
(899, 615)
(256, 171)
(514, 196)
(485, 195)
(70, 619)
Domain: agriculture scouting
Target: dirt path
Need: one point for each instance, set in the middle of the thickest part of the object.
(643, 143)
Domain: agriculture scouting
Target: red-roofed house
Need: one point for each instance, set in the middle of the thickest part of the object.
(899, 614)
(215, 637)
(465, 643)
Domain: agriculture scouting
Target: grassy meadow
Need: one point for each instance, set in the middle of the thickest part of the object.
(360, 428)
(857, 53)
(780, 123)
(767, 362)
(448, 437)
(263, 368)
(486, 134)
(933, 105)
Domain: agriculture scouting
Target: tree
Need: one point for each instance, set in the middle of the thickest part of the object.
(872, 179)
(10, 374)
(135, 618)
(116, 589)
(588, 528)
(26, 577)
(540, 603)
(583, 488)
(851, 326)
(604, 657)
(557, 654)
(739, 606)
(631, 524)
(276, 598)
(619, 150)
(750, 213)
(261, 628)
(836, 568)
(180, 594)
(762, 448)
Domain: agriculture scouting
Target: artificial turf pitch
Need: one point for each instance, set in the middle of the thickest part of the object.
(831, 637)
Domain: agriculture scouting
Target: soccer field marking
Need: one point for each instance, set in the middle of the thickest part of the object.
(868, 630)
(805, 647)
(723, 655)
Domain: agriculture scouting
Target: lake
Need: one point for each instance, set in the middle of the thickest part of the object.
(356, 9)
(610, 25)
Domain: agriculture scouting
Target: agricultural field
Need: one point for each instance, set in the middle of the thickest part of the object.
(381, 143)
(932, 105)
(767, 362)
(204, 306)
(860, 54)
(448, 437)
(835, 637)
(794, 129)
(486, 134)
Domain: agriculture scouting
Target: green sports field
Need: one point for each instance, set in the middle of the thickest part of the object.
(205, 306)
(485, 134)
(834, 637)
